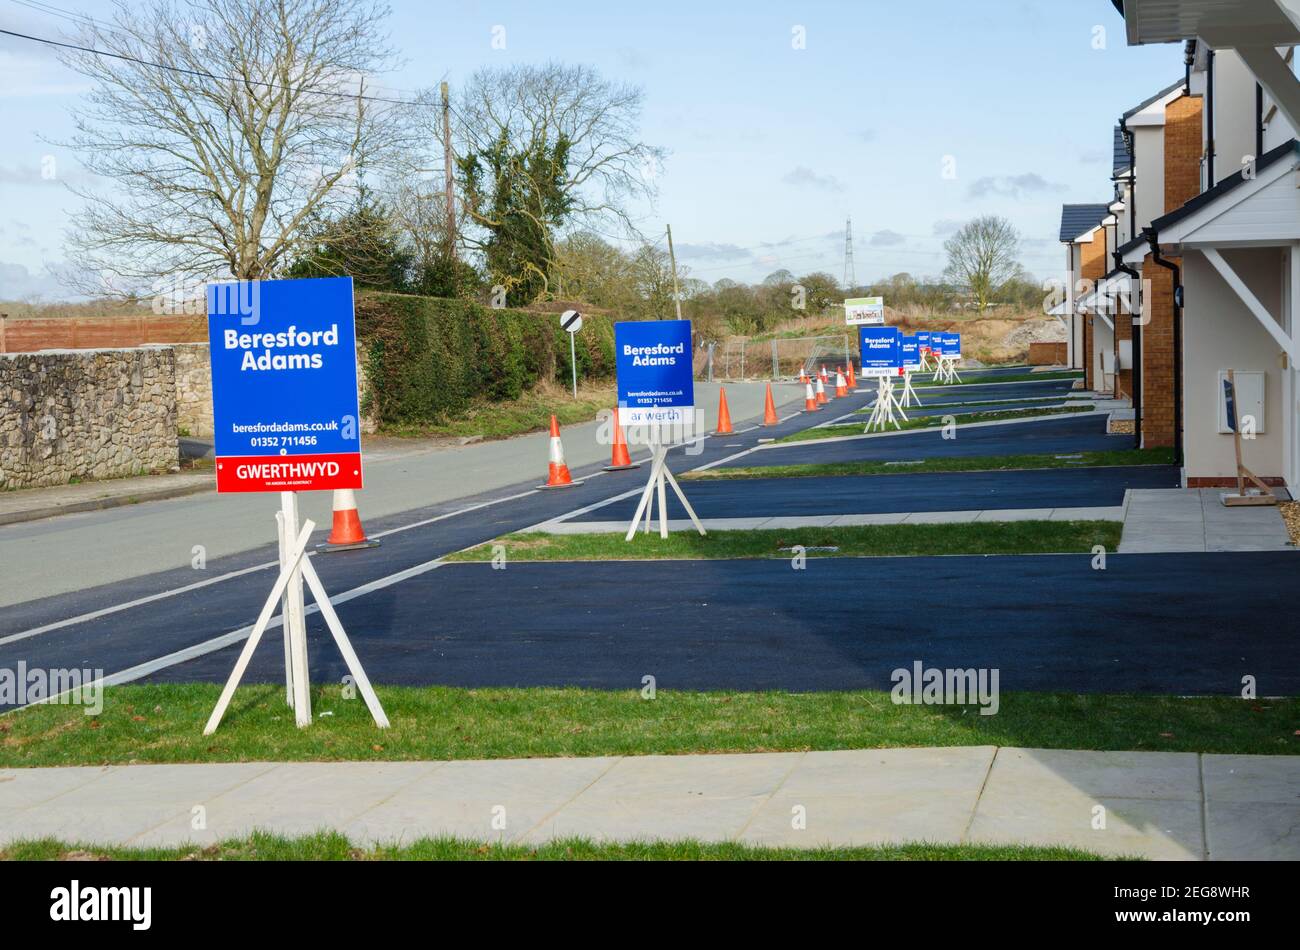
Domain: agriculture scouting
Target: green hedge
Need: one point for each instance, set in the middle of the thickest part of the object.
(428, 358)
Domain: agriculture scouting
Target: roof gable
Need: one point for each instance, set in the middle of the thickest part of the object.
(1081, 218)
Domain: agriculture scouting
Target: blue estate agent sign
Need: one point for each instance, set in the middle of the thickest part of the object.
(909, 349)
(923, 338)
(284, 385)
(949, 344)
(655, 381)
(881, 354)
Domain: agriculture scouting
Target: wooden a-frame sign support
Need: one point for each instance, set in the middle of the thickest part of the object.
(296, 567)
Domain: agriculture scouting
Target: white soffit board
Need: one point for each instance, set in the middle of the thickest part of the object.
(1219, 22)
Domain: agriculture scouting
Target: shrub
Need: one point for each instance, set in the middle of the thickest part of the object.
(429, 358)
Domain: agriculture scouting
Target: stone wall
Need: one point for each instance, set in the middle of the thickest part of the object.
(86, 414)
(193, 389)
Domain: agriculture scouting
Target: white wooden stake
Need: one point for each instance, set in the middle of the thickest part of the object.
(268, 608)
(344, 644)
(284, 612)
(296, 619)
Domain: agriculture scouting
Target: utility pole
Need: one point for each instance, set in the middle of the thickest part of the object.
(446, 167)
(677, 296)
(850, 278)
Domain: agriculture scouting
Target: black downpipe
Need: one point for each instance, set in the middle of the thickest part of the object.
(1154, 240)
(1209, 121)
(1259, 121)
(1135, 334)
(1131, 143)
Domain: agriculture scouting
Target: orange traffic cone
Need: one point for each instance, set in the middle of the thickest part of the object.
(346, 533)
(620, 460)
(822, 375)
(724, 414)
(853, 381)
(803, 377)
(821, 393)
(769, 408)
(841, 387)
(558, 473)
(809, 401)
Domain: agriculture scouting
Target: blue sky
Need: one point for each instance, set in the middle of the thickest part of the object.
(770, 147)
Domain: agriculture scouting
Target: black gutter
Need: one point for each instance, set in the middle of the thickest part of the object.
(1135, 334)
(1154, 240)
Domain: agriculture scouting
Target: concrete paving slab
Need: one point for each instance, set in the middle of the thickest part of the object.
(499, 800)
(1252, 831)
(1151, 802)
(296, 798)
(1157, 775)
(942, 517)
(21, 788)
(1252, 778)
(1189, 519)
(1106, 513)
(711, 797)
(844, 521)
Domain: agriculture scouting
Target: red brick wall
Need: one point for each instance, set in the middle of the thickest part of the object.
(25, 335)
(1123, 377)
(1158, 357)
(1048, 354)
(1182, 151)
(1182, 147)
(1092, 267)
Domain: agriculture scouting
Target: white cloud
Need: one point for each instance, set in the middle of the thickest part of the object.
(803, 175)
(1012, 186)
(18, 283)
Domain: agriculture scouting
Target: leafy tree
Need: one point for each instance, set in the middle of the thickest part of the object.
(361, 244)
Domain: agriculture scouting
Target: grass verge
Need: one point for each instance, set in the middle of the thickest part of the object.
(931, 422)
(1053, 401)
(1006, 378)
(883, 540)
(162, 723)
(531, 412)
(979, 463)
(331, 846)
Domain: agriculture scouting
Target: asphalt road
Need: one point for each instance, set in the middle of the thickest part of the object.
(1169, 624)
(72, 552)
(919, 491)
(1050, 435)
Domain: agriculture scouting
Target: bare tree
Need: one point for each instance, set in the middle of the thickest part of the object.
(545, 149)
(228, 130)
(982, 256)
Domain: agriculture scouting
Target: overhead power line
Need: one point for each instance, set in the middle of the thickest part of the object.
(203, 74)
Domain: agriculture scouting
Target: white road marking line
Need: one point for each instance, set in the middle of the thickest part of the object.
(150, 667)
(162, 595)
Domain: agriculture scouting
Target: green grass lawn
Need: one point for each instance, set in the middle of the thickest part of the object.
(931, 422)
(977, 380)
(164, 723)
(886, 540)
(979, 463)
(331, 846)
(959, 404)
